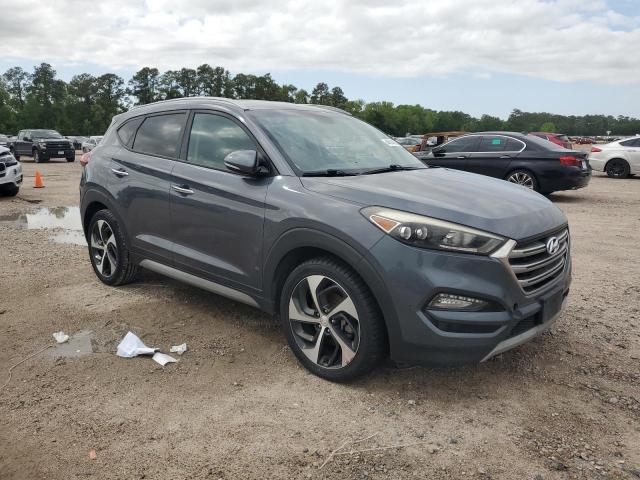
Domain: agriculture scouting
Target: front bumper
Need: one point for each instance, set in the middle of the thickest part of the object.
(12, 174)
(59, 153)
(439, 337)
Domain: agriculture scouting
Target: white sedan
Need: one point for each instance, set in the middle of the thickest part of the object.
(619, 159)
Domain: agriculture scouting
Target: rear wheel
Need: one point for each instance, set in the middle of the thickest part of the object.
(617, 168)
(331, 320)
(523, 178)
(109, 251)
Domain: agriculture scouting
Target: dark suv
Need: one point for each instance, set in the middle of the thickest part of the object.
(42, 145)
(311, 214)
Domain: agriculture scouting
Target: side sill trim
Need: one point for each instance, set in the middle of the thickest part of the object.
(198, 282)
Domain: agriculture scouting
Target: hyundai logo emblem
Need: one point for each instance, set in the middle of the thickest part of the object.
(553, 245)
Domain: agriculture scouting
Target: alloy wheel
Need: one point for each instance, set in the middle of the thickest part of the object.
(616, 168)
(324, 322)
(104, 250)
(522, 178)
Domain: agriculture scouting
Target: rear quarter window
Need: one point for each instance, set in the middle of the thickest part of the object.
(127, 131)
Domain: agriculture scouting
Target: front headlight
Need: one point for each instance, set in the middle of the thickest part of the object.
(427, 232)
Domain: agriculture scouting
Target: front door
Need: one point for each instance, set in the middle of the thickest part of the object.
(217, 215)
(453, 154)
(22, 145)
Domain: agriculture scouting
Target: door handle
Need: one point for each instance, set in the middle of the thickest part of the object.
(505, 156)
(182, 190)
(461, 156)
(119, 173)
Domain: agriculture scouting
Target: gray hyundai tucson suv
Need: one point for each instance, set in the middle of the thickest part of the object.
(309, 213)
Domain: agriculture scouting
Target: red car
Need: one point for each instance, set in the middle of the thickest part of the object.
(557, 138)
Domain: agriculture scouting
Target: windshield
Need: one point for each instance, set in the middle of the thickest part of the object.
(45, 134)
(316, 141)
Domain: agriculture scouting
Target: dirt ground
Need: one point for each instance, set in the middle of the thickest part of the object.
(238, 405)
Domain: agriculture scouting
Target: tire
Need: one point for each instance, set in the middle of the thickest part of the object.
(9, 190)
(617, 168)
(106, 239)
(37, 156)
(350, 338)
(71, 159)
(524, 178)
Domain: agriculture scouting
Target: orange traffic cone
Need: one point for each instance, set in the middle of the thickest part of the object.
(39, 182)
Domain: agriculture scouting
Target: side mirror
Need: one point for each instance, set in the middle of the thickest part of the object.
(438, 152)
(27, 139)
(246, 162)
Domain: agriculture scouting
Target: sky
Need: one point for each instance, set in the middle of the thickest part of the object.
(478, 56)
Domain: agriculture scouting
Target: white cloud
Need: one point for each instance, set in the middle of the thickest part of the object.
(563, 40)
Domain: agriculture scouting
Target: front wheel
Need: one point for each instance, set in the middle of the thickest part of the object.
(37, 156)
(523, 178)
(9, 190)
(617, 168)
(109, 251)
(331, 320)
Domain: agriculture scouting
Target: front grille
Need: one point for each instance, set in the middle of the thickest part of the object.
(58, 146)
(3, 169)
(534, 266)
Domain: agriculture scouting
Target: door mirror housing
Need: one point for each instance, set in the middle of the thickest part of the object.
(27, 139)
(438, 152)
(247, 162)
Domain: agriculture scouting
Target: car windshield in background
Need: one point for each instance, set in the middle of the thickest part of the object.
(332, 142)
(563, 138)
(544, 144)
(46, 134)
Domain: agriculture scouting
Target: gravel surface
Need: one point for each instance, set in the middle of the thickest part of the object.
(238, 405)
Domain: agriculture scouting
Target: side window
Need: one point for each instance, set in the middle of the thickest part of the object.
(463, 144)
(161, 135)
(212, 138)
(631, 143)
(513, 145)
(492, 144)
(127, 131)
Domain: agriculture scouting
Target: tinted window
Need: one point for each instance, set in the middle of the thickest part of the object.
(127, 131)
(631, 143)
(161, 135)
(463, 144)
(536, 143)
(493, 144)
(214, 137)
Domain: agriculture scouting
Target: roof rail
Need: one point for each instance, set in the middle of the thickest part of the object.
(182, 99)
(329, 107)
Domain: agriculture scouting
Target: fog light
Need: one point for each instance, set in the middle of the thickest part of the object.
(449, 301)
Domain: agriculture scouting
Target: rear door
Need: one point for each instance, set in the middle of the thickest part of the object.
(22, 146)
(217, 215)
(494, 154)
(454, 154)
(141, 179)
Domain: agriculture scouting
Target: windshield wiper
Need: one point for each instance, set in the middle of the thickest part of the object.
(390, 168)
(331, 172)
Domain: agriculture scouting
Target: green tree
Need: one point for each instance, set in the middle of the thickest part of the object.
(548, 127)
(144, 85)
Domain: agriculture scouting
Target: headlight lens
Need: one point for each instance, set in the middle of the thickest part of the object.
(427, 232)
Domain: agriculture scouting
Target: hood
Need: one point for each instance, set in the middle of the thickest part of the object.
(473, 200)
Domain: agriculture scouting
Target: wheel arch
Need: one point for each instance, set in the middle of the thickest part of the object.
(617, 157)
(300, 244)
(93, 201)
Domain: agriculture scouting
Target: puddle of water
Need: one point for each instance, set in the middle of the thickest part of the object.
(66, 219)
(78, 345)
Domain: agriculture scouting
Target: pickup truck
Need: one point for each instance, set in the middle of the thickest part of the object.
(42, 145)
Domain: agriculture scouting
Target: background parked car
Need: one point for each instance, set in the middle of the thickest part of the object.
(518, 158)
(77, 141)
(91, 143)
(10, 173)
(433, 139)
(557, 138)
(4, 141)
(586, 140)
(619, 159)
(411, 144)
(42, 145)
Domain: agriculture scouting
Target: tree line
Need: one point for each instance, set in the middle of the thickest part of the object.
(86, 104)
